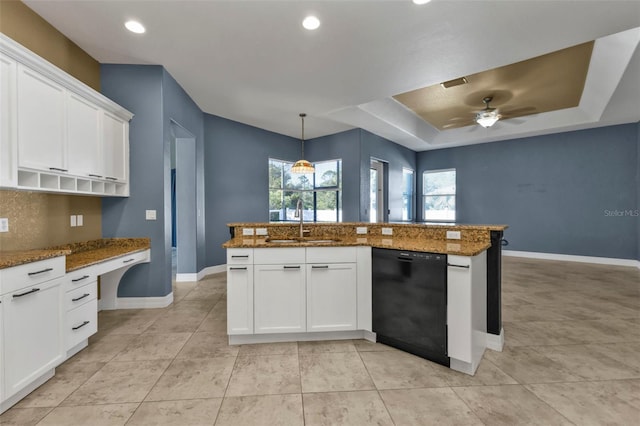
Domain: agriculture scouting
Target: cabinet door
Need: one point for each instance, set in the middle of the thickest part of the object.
(279, 299)
(32, 340)
(331, 297)
(8, 148)
(240, 299)
(83, 137)
(41, 124)
(2, 398)
(115, 147)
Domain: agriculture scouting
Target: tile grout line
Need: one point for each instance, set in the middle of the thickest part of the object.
(384, 404)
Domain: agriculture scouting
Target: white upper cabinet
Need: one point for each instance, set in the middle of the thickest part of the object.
(8, 148)
(115, 147)
(56, 133)
(84, 145)
(41, 123)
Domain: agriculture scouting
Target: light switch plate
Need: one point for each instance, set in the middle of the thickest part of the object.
(387, 231)
(150, 214)
(4, 224)
(261, 231)
(453, 235)
(361, 230)
(79, 220)
(73, 221)
(247, 231)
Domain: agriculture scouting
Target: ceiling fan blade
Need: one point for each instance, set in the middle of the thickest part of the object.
(514, 121)
(458, 125)
(518, 111)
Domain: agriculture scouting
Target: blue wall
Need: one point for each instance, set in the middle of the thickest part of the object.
(154, 97)
(236, 177)
(551, 190)
(346, 146)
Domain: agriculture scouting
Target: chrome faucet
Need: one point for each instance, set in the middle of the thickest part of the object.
(300, 214)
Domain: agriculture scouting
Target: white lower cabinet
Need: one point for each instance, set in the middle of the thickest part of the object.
(32, 340)
(279, 303)
(331, 297)
(81, 309)
(466, 311)
(239, 298)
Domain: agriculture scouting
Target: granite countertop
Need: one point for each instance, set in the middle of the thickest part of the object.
(79, 255)
(378, 224)
(461, 248)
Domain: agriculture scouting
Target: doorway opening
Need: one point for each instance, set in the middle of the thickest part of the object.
(183, 204)
(377, 192)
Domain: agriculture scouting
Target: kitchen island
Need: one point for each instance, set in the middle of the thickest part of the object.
(282, 287)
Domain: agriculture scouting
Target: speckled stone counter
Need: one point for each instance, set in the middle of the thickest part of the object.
(9, 259)
(91, 252)
(78, 255)
(474, 239)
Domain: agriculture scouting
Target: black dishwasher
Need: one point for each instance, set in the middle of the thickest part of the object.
(410, 302)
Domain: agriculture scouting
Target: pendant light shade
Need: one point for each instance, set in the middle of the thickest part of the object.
(302, 166)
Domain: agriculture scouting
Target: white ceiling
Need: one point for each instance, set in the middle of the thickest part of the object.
(251, 61)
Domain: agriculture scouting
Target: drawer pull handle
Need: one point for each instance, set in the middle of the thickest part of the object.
(33, 290)
(58, 169)
(111, 178)
(40, 272)
(81, 297)
(95, 176)
(128, 260)
(458, 266)
(84, 277)
(292, 267)
(237, 256)
(78, 327)
(244, 268)
(320, 267)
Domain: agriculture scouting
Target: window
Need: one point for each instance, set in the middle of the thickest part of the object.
(407, 194)
(320, 192)
(439, 195)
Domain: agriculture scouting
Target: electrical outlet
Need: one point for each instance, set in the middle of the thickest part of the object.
(453, 235)
(247, 231)
(150, 214)
(361, 230)
(387, 231)
(261, 231)
(4, 224)
(73, 221)
(79, 220)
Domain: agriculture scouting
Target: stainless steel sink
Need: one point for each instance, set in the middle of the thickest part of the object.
(281, 241)
(321, 241)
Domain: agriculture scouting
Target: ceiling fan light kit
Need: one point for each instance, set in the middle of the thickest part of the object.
(488, 116)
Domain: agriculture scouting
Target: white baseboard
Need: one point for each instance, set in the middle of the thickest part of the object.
(211, 270)
(186, 277)
(242, 339)
(144, 302)
(200, 275)
(495, 342)
(573, 258)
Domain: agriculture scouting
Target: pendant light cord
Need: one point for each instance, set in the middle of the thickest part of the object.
(302, 116)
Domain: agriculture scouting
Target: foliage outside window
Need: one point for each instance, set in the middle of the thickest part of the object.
(407, 194)
(320, 192)
(439, 195)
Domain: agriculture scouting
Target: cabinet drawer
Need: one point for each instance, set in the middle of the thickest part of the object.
(278, 256)
(17, 277)
(79, 278)
(239, 256)
(81, 295)
(331, 254)
(119, 262)
(81, 323)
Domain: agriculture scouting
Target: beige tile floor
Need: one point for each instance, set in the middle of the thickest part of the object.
(572, 357)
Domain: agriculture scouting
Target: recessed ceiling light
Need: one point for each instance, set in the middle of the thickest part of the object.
(311, 22)
(421, 1)
(135, 27)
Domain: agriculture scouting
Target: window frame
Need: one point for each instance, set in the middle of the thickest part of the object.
(454, 195)
(314, 190)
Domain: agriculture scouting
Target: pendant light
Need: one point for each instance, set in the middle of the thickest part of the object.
(302, 166)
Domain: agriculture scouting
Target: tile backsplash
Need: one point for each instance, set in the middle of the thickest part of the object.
(39, 220)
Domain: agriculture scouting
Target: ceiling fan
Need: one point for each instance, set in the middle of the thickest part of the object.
(488, 116)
